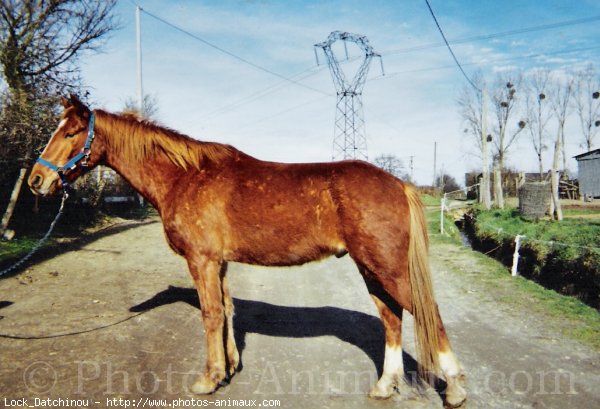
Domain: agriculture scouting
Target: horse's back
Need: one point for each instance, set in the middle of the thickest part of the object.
(283, 214)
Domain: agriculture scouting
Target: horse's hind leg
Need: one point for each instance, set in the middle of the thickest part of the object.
(393, 365)
(206, 272)
(233, 356)
(391, 298)
(455, 395)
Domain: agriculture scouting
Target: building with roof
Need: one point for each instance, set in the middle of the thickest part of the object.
(589, 173)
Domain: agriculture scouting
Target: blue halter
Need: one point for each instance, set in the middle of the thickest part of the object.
(82, 157)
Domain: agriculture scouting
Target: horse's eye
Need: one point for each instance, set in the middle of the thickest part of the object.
(69, 135)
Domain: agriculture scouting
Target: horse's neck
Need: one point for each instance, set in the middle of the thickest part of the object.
(152, 177)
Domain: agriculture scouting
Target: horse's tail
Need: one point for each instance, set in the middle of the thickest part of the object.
(424, 307)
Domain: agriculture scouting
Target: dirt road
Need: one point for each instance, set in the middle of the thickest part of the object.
(114, 322)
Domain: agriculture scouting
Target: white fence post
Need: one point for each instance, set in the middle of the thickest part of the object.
(515, 265)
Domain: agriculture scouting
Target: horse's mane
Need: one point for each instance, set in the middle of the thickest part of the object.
(138, 139)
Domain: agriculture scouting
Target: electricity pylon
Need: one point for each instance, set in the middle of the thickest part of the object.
(349, 139)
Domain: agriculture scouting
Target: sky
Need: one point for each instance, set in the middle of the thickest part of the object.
(237, 90)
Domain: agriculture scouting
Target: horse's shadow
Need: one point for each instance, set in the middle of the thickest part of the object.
(356, 328)
(4, 304)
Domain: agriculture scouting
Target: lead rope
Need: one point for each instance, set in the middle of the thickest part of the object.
(41, 242)
(31, 253)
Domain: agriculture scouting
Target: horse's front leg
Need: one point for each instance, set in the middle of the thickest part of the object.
(233, 356)
(206, 271)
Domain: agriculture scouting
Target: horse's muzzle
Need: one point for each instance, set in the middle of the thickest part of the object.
(35, 182)
(42, 185)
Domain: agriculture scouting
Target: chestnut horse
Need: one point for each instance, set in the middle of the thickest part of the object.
(218, 204)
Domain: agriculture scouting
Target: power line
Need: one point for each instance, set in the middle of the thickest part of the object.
(450, 48)
(296, 78)
(261, 93)
(521, 57)
(231, 54)
(491, 36)
(279, 113)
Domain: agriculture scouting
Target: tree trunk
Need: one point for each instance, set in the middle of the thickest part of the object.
(564, 153)
(12, 203)
(484, 184)
(498, 194)
(557, 211)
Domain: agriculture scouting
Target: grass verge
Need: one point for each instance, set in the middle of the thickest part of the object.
(563, 256)
(562, 314)
(15, 248)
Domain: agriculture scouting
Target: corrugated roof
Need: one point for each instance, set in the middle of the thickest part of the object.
(583, 155)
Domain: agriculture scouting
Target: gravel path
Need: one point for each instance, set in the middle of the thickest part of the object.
(309, 336)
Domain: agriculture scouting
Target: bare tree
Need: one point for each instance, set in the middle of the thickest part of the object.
(472, 104)
(561, 92)
(538, 112)
(40, 42)
(504, 97)
(588, 110)
(391, 164)
(149, 106)
(43, 37)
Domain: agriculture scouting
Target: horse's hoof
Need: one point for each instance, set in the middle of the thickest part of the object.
(456, 398)
(448, 405)
(207, 384)
(203, 388)
(381, 392)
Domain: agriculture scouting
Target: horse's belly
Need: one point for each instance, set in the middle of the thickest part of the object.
(278, 246)
(285, 258)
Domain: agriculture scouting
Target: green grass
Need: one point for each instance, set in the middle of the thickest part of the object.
(580, 212)
(581, 322)
(573, 232)
(434, 228)
(429, 200)
(562, 314)
(16, 248)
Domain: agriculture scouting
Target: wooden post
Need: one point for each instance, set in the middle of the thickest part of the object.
(12, 203)
(515, 265)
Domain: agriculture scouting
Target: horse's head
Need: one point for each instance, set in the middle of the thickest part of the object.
(69, 151)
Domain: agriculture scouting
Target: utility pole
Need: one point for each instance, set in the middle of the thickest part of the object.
(138, 32)
(412, 169)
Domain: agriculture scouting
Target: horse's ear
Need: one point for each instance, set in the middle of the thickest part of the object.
(81, 108)
(75, 101)
(65, 102)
